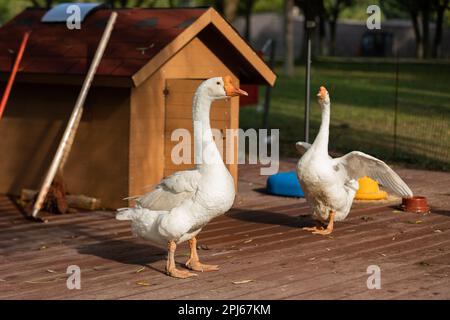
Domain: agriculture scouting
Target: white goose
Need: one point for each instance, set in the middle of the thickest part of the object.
(186, 201)
(331, 184)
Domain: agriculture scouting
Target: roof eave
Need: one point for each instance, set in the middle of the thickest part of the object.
(211, 16)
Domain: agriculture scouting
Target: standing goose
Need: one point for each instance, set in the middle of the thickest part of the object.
(183, 203)
(331, 184)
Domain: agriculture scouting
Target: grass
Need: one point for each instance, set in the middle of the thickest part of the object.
(363, 109)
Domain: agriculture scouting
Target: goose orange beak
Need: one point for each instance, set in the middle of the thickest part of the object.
(322, 93)
(230, 89)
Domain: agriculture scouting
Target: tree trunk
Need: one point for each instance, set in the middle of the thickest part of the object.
(418, 34)
(323, 48)
(425, 28)
(230, 8)
(436, 50)
(248, 22)
(288, 37)
(332, 24)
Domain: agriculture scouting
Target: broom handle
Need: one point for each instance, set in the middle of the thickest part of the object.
(69, 134)
(12, 77)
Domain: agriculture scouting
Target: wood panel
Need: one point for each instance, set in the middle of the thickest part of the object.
(179, 116)
(31, 129)
(148, 112)
(181, 112)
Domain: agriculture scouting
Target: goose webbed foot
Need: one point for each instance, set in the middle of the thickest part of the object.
(323, 232)
(317, 227)
(313, 229)
(194, 263)
(329, 229)
(171, 269)
(198, 266)
(180, 274)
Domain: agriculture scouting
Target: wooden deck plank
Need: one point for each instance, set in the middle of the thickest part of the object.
(260, 239)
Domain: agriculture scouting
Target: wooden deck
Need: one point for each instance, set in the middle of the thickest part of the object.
(258, 240)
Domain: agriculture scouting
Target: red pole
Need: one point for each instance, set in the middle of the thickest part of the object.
(13, 73)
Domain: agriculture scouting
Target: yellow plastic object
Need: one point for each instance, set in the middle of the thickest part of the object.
(369, 190)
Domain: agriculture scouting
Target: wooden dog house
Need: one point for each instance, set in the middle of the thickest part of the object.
(142, 91)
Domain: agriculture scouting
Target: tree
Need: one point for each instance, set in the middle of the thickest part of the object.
(332, 10)
(4, 11)
(248, 7)
(420, 12)
(289, 37)
(228, 8)
(323, 44)
(127, 3)
(311, 11)
(440, 6)
(47, 4)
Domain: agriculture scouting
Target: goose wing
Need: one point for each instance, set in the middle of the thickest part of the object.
(172, 191)
(302, 147)
(357, 164)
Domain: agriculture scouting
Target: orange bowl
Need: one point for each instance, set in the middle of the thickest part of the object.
(416, 204)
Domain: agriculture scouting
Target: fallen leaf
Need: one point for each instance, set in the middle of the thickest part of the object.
(248, 241)
(204, 247)
(143, 283)
(51, 271)
(397, 211)
(99, 268)
(42, 248)
(382, 254)
(437, 231)
(219, 253)
(393, 238)
(418, 221)
(311, 259)
(37, 281)
(140, 270)
(424, 264)
(242, 281)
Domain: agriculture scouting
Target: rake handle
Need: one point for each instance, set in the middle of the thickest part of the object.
(69, 134)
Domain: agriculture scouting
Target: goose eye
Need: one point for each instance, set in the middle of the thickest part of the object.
(218, 83)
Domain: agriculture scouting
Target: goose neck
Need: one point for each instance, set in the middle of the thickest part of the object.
(206, 152)
(321, 142)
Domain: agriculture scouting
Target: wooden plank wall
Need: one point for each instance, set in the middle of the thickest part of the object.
(179, 116)
(31, 129)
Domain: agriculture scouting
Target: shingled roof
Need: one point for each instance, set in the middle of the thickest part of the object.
(142, 40)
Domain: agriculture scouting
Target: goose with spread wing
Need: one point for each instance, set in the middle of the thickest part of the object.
(331, 184)
(183, 203)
